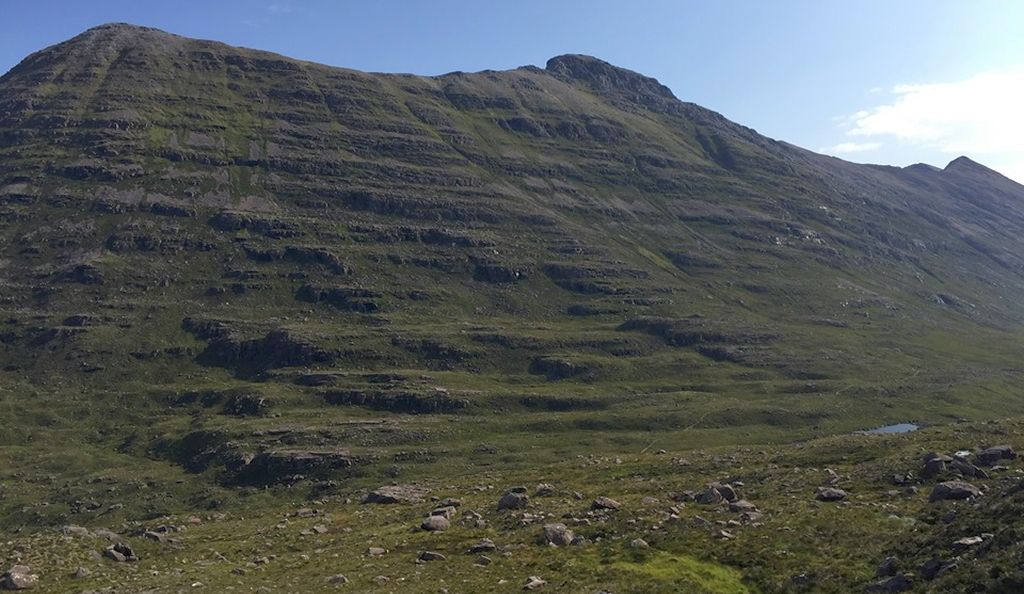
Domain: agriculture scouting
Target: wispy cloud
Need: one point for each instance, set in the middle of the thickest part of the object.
(980, 116)
(271, 11)
(845, 148)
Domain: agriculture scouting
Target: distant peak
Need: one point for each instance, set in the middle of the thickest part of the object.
(925, 167)
(604, 77)
(118, 27)
(121, 31)
(965, 165)
(961, 162)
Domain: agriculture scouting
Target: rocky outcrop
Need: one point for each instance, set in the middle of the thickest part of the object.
(952, 490)
(286, 466)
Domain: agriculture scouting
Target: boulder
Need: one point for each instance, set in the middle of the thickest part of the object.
(392, 494)
(830, 494)
(605, 503)
(896, 583)
(558, 535)
(484, 546)
(990, 456)
(751, 517)
(888, 567)
(435, 523)
(934, 467)
(431, 556)
(935, 456)
(741, 506)
(931, 568)
(120, 552)
(534, 583)
(967, 542)
(19, 577)
(954, 490)
(78, 531)
(727, 491)
(709, 496)
(966, 469)
(513, 501)
(447, 512)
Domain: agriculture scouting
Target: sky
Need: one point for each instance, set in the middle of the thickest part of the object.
(895, 81)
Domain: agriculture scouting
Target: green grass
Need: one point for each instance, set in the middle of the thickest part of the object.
(681, 573)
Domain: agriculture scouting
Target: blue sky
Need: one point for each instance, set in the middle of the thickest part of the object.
(896, 81)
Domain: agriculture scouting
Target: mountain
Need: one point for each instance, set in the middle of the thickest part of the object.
(230, 270)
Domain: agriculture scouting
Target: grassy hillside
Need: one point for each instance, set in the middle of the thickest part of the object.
(236, 283)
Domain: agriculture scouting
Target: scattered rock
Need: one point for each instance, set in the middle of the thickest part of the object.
(337, 579)
(931, 569)
(81, 572)
(76, 531)
(990, 456)
(830, 494)
(606, 503)
(120, 552)
(967, 542)
(534, 583)
(935, 465)
(513, 500)
(106, 534)
(435, 523)
(728, 493)
(19, 577)
(483, 561)
(751, 517)
(742, 506)
(155, 536)
(954, 490)
(709, 496)
(392, 494)
(485, 545)
(558, 535)
(966, 469)
(888, 567)
(544, 490)
(447, 512)
(896, 583)
(376, 551)
(431, 556)
(639, 543)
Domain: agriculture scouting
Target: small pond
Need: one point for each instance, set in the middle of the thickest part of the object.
(897, 428)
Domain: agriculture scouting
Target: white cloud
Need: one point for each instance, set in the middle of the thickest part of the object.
(981, 116)
(845, 148)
